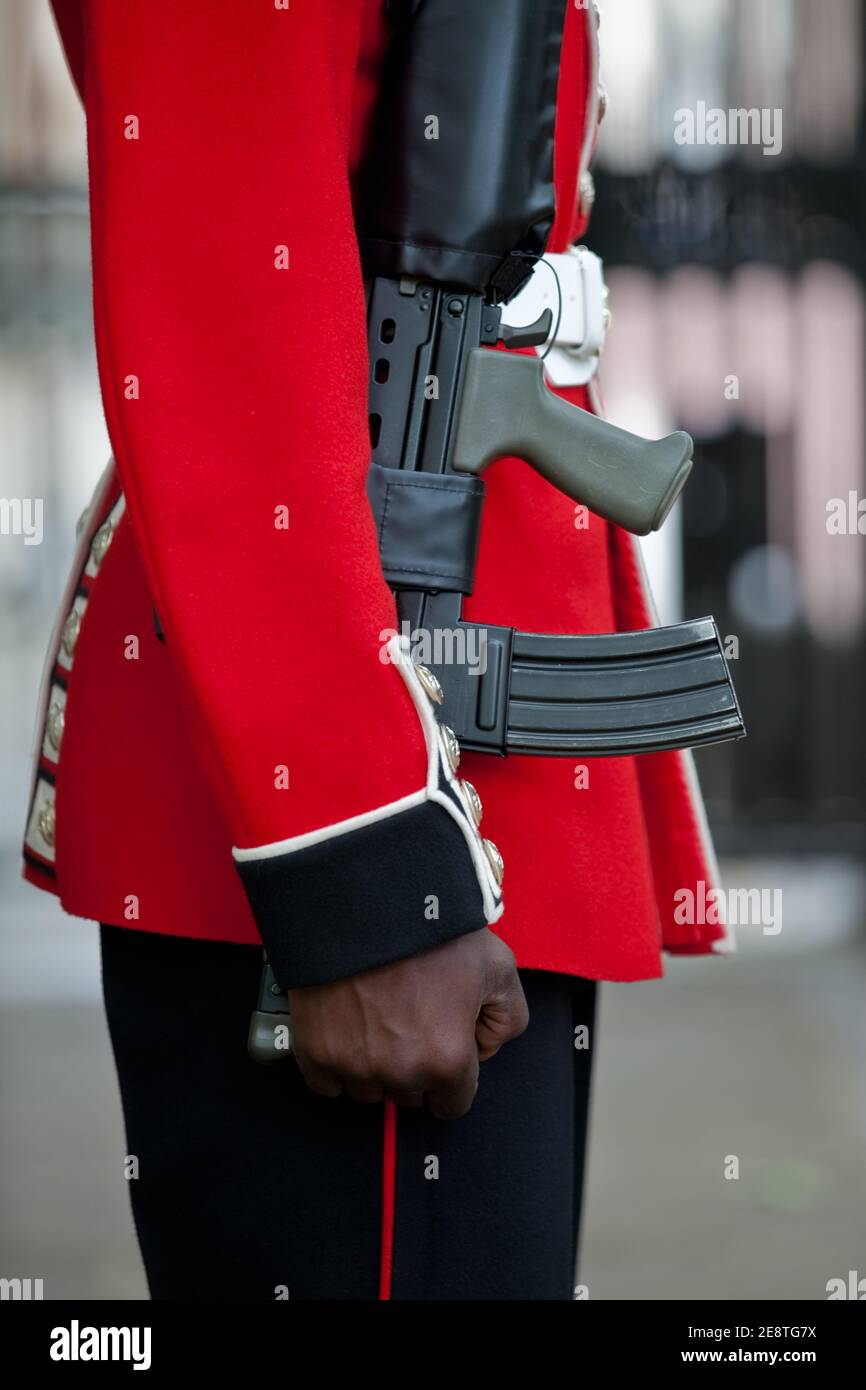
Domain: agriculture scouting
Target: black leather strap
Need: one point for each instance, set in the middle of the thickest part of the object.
(428, 527)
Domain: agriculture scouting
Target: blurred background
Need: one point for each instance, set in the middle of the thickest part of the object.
(737, 290)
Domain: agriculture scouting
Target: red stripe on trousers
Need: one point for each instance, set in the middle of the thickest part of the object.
(389, 1187)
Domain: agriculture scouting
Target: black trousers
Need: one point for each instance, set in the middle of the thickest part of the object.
(249, 1186)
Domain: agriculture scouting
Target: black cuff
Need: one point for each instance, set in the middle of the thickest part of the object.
(384, 885)
(382, 892)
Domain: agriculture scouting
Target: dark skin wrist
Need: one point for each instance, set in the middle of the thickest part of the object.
(414, 1031)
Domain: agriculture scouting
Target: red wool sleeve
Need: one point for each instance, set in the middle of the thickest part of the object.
(231, 344)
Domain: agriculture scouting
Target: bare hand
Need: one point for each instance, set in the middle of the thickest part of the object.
(414, 1031)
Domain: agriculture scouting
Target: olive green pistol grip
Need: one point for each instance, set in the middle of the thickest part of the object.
(506, 409)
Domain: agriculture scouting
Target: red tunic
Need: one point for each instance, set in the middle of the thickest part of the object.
(232, 388)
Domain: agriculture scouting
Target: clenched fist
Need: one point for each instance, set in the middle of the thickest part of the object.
(414, 1031)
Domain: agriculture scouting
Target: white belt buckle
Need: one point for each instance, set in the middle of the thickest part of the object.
(572, 360)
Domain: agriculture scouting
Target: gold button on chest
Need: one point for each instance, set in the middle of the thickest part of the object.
(54, 725)
(46, 822)
(71, 629)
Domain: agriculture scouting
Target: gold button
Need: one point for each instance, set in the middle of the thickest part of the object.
(587, 193)
(431, 685)
(473, 801)
(46, 822)
(54, 725)
(71, 629)
(101, 541)
(451, 747)
(494, 859)
(602, 102)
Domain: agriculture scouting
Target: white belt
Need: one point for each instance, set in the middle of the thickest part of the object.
(583, 314)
